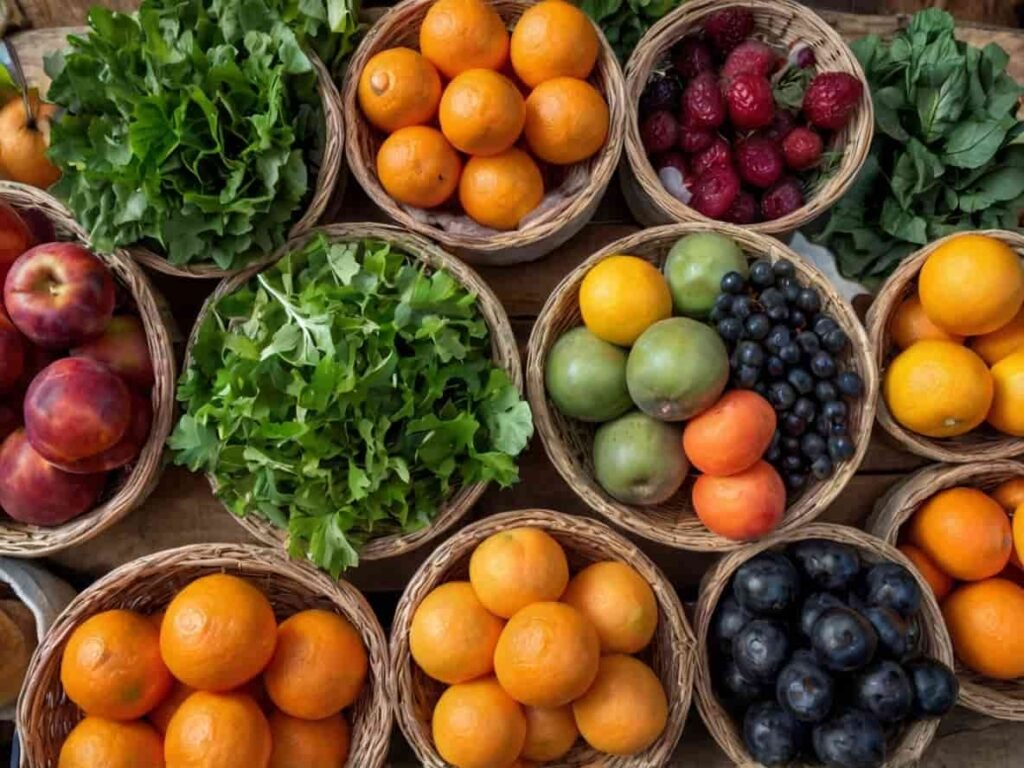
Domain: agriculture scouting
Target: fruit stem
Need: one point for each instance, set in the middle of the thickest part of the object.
(19, 79)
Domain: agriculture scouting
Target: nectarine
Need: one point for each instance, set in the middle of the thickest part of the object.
(12, 354)
(126, 449)
(123, 349)
(15, 238)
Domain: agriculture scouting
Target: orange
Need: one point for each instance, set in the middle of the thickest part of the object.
(986, 623)
(511, 569)
(909, 324)
(971, 285)
(938, 389)
(308, 743)
(218, 633)
(1010, 495)
(500, 190)
(550, 732)
(111, 666)
(482, 112)
(1007, 411)
(99, 743)
(398, 88)
(457, 35)
(553, 39)
(477, 725)
(161, 715)
(621, 297)
(319, 665)
(994, 346)
(619, 603)
(937, 579)
(418, 167)
(566, 120)
(1017, 527)
(743, 506)
(452, 636)
(217, 730)
(625, 709)
(965, 533)
(547, 655)
(731, 435)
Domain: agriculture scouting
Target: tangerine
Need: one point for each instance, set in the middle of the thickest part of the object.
(99, 743)
(308, 743)
(1004, 341)
(1007, 411)
(418, 167)
(550, 733)
(566, 119)
(160, 716)
(731, 435)
(910, 324)
(500, 190)
(457, 35)
(398, 88)
(478, 725)
(618, 601)
(217, 730)
(986, 624)
(621, 297)
(482, 112)
(553, 39)
(514, 568)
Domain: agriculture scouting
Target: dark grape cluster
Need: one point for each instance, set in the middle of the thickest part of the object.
(783, 346)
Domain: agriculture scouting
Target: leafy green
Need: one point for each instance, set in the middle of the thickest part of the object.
(344, 394)
(947, 155)
(190, 128)
(624, 22)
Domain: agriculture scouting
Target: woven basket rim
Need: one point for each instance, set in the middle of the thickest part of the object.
(639, 178)
(723, 729)
(973, 446)
(635, 518)
(457, 548)
(25, 540)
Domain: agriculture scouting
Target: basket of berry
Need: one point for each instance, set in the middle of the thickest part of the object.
(821, 642)
(703, 346)
(753, 112)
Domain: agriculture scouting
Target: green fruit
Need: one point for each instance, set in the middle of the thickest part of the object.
(639, 460)
(695, 267)
(676, 369)
(586, 377)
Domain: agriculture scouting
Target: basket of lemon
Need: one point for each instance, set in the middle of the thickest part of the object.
(211, 654)
(509, 158)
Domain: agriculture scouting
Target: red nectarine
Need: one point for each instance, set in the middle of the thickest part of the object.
(15, 238)
(123, 349)
(127, 448)
(12, 354)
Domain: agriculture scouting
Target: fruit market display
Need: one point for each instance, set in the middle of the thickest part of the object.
(959, 362)
(816, 652)
(75, 377)
(212, 681)
(489, 117)
(346, 393)
(737, 128)
(536, 658)
(745, 354)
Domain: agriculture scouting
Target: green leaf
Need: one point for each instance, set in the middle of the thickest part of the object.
(916, 171)
(974, 143)
(791, 86)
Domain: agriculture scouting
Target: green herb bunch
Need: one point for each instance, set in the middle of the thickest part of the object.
(948, 154)
(624, 22)
(344, 394)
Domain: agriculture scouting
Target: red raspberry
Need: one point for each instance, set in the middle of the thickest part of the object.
(783, 199)
(759, 161)
(659, 132)
(703, 106)
(802, 149)
(728, 28)
(743, 210)
(751, 103)
(691, 56)
(831, 99)
(751, 57)
(719, 153)
(693, 140)
(715, 191)
(783, 122)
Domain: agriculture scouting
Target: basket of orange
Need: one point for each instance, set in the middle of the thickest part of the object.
(499, 146)
(216, 655)
(535, 637)
(963, 528)
(947, 332)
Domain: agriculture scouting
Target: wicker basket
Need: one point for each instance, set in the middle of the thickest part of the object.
(1003, 699)
(914, 740)
(783, 22)
(671, 653)
(135, 482)
(505, 349)
(569, 442)
(45, 715)
(979, 444)
(544, 230)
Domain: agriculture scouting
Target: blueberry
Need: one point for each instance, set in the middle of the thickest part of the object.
(790, 288)
(835, 411)
(741, 307)
(841, 447)
(772, 297)
(784, 268)
(781, 395)
(761, 274)
(730, 329)
(716, 315)
(790, 353)
(828, 565)
(823, 324)
(822, 468)
(791, 447)
(773, 454)
(760, 649)
(758, 325)
(774, 367)
(804, 689)
(803, 407)
(723, 301)
(762, 388)
(750, 353)
(808, 300)
(767, 584)
(891, 585)
(795, 481)
(747, 376)
(778, 337)
(835, 340)
(823, 365)
(792, 463)
(809, 342)
(884, 690)
(935, 687)
(813, 445)
(850, 384)
(771, 735)
(801, 380)
(733, 282)
(779, 314)
(793, 425)
(825, 391)
(797, 319)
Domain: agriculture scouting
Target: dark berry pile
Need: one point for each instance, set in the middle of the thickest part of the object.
(819, 656)
(783, 346)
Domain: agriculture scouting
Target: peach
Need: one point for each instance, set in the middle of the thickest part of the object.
(59, 295)
(126, 449)
(15, 238)
(123, 349)
(12, 354)
(76, 408)
(34, 491)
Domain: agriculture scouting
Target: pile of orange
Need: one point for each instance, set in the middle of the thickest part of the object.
(967, 547)
(214, 681)
(961, 338)
(455, 110)
(535, 659)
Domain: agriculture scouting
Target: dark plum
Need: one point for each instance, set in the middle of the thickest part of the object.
(812, 608)
(884, 690)
(760, 649)
(892, 585)
(771, 735)
(730, 617)
(735, 690)
(935, 687)
(804, 689)
(767, 584)
(851, 739)
(827, 565)
(843, 640)
(894, 632)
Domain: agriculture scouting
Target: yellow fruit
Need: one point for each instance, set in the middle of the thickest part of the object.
(566, 120)
(972, 285)
(99, 743)
(619, 603)
(418, 167)
(1007, 411)
(553, 39)
(938, 389)
(910, 324)
(477, 725)
(550, 733)
(398, 88)
(514, 568)
(621, 297)
(217, 730)
(993, 347)
(500, 190)
(986, 624)
(482, 112)
(457, 35)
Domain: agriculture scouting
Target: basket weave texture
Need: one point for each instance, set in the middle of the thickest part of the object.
(569, 442)
(670, 655)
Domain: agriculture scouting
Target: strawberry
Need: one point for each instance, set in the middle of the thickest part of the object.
(750, 100)
(691, 56)
(783, 199)
(831, 99)
(703, 106)
(715, 191)
(743, 210)
(659, 132)
(759, 161)
(728, 28)
(693, 140)
(750, 57)
(802, 149)
(719, 153)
